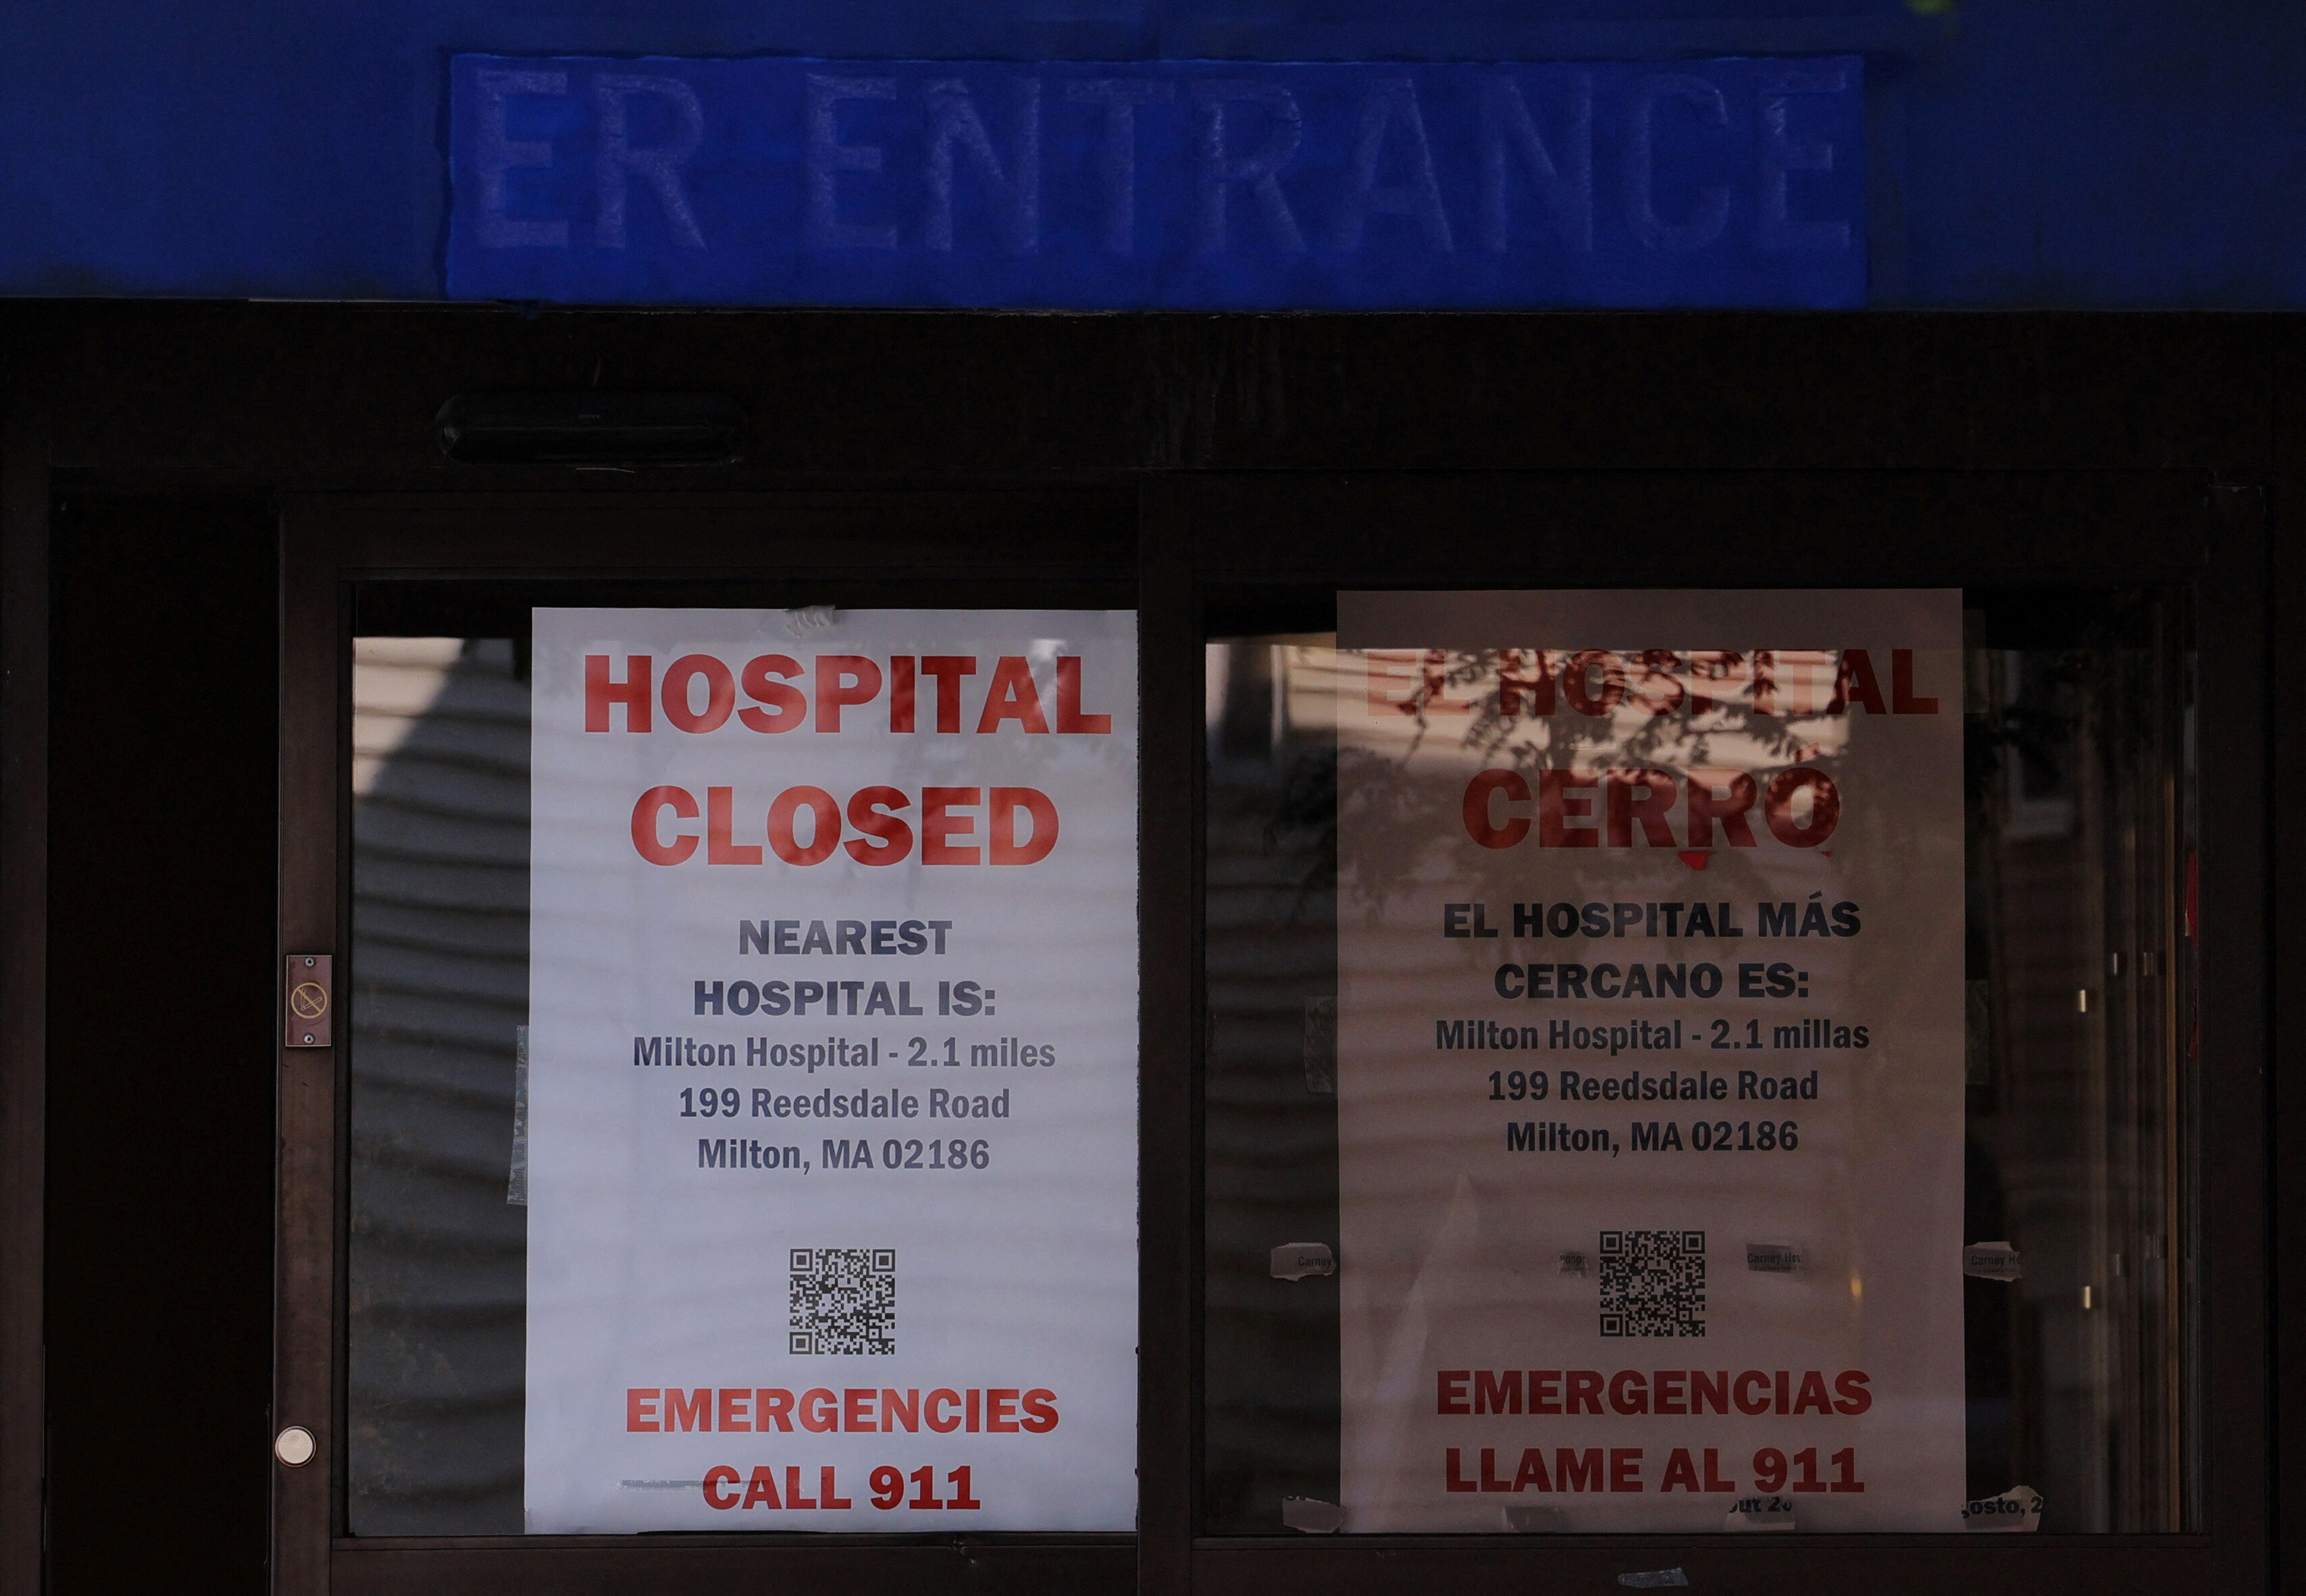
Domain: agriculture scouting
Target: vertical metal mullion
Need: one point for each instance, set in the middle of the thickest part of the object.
(1168, 1234)
(305, 1241)
(2231, 1133)
(24, 600)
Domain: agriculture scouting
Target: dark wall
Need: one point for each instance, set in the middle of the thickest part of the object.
(161, 986)
(174, 425)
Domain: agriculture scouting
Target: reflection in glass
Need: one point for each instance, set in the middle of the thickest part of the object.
(436, 1253)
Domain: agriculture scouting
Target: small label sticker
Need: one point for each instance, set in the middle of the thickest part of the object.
(1992, 1260)
(1311, 1517)
(1773, 1258)
(1761, 1512)
(1573, 1263)
(2015, 1511)
(1302, 1260)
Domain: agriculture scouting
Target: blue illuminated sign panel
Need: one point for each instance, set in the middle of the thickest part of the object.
(1200, 185)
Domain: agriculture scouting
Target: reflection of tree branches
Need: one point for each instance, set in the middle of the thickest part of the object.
(1304, 818)
(1499, 690)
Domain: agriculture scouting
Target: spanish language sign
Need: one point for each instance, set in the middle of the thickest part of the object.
(1650, 1061)
(832, 1055)
(1187, 184)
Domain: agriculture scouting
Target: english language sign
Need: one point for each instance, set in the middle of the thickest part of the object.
(832, 1071)
(1203, 185)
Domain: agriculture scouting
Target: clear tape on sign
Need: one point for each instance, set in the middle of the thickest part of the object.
(1303, 1261)
(1760, 1513)
(2015, 1511)
(517, 1179)
(1654, 1579)
(1535, 1521)
(1311, 1515)
(1992, 1260)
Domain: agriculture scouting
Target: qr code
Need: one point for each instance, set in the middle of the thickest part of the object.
(843, 1301)
(1652, 1282)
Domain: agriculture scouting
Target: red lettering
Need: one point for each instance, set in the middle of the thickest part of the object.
(1903, 700)
(1851, 1396)
(688, 1410)
(1577, 684)
(857, 1409)
(826, 1498)
(1012, 697)
(720, 693)
(1824, 806)
(939, 825)
(1811, 1399)
(1544, 1386)
(771, 1406)
(1007, 803)
(1479, 808)
(1659, 690)
(1556, 809)
(1709, 1390)
(1625, 1468)
(1000, 1412)
(1665, 1391)
(1532, 1470)
(633, 692)
(788, 708)
(761, 1490)
(946, 671)
(1680, 1470)
(1578, 1471)
(1497, 1392)
(1854, 682)
(865, 815)
(819, 1411)
(1040, 1410)
(900, 693)
(824, 831)
(736, 1409)
(1449, 1390)
(1782, 1383)
(720, 826)
(1068, 694)
(793, 1498)
(843, 679)
(1640, 798)
(900, 1407)
(640, 1408)
(715, 1479)
(1745, 1382)
(1585, 1392)
(1530, 693)
(1629, 1393)
(1713, 1479)
(941, 1399)
(648, 817)
(1455, 1480)
(1490, 1480)
(1706, 806)
(972, 1396)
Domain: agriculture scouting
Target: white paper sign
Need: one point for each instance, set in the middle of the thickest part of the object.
(832, 1071)
(1650, 1061)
